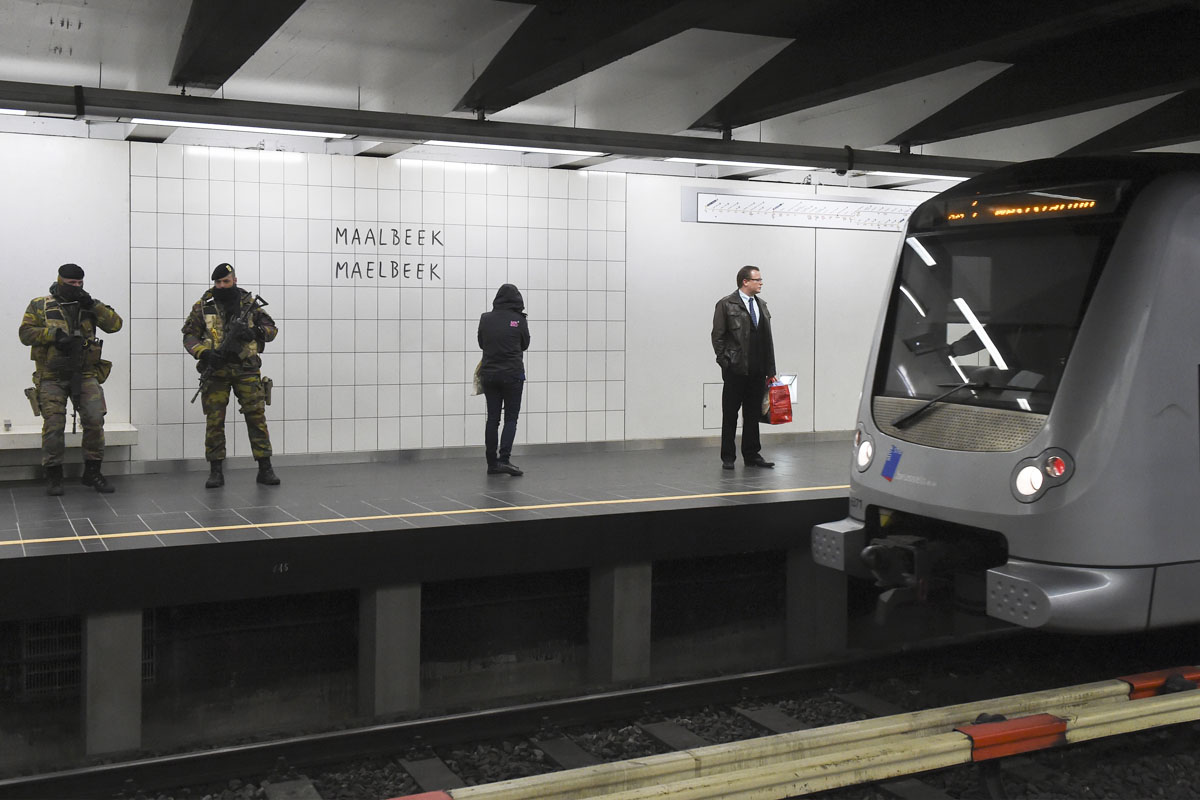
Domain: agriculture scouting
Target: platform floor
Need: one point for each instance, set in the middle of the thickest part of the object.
(168, 510)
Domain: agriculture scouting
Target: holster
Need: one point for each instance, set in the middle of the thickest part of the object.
(31, 394)
(267, 385)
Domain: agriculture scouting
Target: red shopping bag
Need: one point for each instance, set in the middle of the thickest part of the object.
(778, 404)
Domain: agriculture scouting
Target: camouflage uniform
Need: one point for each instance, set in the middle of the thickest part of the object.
(205, 330)
(54, 371)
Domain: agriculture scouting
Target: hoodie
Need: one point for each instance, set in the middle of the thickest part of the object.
(503, 336)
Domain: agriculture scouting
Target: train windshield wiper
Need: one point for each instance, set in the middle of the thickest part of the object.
(904, 420)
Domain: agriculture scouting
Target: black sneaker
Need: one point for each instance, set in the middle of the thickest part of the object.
(505, 468)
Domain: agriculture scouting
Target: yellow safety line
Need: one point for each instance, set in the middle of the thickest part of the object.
(416, 514)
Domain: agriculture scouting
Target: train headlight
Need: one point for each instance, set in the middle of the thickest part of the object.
(1033, 477)
(1029, 481)
(864, 449)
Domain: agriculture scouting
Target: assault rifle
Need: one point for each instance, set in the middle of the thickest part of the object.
(231, 343)
(73, 351)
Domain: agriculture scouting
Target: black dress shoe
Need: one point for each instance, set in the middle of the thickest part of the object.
(726, 465)
(759, 461)
(505, 468)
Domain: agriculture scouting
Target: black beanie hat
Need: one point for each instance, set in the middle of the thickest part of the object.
(221, 271)
(71, 271)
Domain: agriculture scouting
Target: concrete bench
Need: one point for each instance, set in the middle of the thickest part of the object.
(29, 437)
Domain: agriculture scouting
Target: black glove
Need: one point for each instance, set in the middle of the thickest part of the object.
(209, 359)
(86, 300)
(68, 345)
(243, 333)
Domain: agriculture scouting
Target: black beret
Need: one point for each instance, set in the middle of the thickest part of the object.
(71, 271)
(221, 271)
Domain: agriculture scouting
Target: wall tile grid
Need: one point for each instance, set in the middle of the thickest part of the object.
(376, 271)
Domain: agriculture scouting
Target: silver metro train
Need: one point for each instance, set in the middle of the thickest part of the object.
(1027, 433)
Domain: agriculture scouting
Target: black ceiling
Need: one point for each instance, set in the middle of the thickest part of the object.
(1066, 56)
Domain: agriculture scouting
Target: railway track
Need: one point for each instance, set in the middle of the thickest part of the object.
(216, 765)
(875, 750)
(433, 756)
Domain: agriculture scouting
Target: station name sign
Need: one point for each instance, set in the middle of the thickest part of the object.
(396, 255)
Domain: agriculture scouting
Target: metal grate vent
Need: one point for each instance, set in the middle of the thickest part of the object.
(51, 655)
(951, 426)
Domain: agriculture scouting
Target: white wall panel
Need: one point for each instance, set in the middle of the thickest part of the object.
(376, 273)
(823, 287)
(853, 269)
(64, 200)
(676, 273)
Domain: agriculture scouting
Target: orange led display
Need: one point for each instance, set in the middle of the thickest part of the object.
(1008, 211)
(1041, 204)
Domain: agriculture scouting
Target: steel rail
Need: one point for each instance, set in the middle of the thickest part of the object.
(815, 760)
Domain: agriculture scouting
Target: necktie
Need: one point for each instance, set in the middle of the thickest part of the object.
(753, 312)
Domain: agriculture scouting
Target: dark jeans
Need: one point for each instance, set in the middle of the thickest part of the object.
(507, 394)
(744, 393)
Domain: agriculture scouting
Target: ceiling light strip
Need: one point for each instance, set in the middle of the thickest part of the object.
(218, 126)
(751, 164)
(523, 148)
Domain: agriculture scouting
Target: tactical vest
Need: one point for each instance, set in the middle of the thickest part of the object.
(48, 358)
(214, 326)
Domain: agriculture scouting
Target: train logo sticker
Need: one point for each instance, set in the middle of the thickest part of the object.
(893, 461)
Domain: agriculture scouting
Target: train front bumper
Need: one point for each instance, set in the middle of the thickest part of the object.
(1078, 599)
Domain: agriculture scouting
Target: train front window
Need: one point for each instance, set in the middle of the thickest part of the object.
(987, 316)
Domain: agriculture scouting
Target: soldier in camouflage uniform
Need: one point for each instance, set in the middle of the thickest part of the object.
(233, 366)
(60, 330)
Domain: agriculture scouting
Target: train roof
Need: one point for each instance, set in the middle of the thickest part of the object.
(1124, 166)
(1008, 184)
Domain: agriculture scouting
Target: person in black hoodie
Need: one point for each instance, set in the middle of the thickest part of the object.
(503, 337)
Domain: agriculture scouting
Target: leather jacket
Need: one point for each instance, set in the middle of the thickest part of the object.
(731, 335)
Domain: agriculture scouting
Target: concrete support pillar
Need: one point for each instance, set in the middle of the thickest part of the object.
(112, 681)
(389, 650)
(619, 623)
(816, 611)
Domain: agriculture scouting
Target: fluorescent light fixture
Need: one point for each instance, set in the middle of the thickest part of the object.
(981, 333)
(217, 126)
(754, 164)
(920, 250)
(518, 148)
(15, 112)
(911, 299)
(916, 175)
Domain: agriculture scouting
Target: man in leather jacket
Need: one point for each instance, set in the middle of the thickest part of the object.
(741, 339)
(60, 330)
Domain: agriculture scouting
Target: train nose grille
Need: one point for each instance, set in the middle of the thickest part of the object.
(1016, 600)
(950, 426)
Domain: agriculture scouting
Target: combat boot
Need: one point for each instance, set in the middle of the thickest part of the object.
(54, 477)
(216, 477)
(266, 475)
(93, 478)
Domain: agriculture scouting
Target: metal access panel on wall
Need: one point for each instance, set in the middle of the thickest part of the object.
(797, 212)
(712, 405)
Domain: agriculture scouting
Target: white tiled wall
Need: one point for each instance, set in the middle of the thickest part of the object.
(377, 362)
